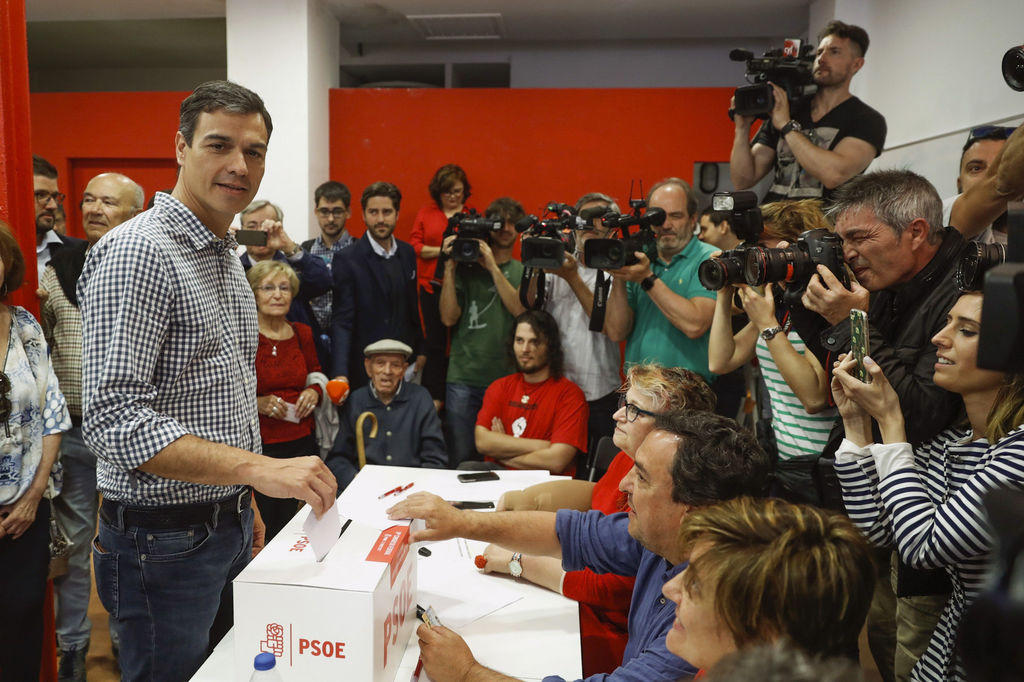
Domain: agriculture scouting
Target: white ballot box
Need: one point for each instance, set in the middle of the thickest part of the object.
(348, 617)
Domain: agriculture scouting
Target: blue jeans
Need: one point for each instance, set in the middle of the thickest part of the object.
(163, 588)
(461, 404)
(75, 509)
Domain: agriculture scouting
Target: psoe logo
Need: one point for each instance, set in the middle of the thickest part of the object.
(274, 643)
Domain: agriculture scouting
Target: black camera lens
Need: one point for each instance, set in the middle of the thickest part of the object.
(465, 250)
(1013, 68)
(764, 265)
(716, 273)
(976, 261)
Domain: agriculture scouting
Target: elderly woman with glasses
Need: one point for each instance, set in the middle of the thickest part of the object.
(449, 189)
(34, 415)
(604, 599)
(285, 398)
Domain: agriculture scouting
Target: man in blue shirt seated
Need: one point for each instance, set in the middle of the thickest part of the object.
(690, 459)
(408, 428)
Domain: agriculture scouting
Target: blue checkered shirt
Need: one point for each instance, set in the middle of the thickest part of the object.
(321, 305)
(169, 340)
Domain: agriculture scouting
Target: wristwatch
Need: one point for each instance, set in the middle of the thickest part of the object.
(769, 334)
(647, 282)
(790, 126)
(515, 568)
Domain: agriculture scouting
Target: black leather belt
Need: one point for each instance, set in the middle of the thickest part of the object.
(176, 516)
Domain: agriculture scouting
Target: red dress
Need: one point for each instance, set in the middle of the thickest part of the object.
(284, 374)
(427, 230)
(554, 410)
(604, 598)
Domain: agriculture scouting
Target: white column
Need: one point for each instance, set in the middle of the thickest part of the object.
(288, 52)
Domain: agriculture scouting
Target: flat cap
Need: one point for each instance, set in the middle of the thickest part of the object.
(387, 346)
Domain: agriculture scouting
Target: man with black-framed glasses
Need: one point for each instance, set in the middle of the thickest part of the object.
(332, 203)
(48, 199)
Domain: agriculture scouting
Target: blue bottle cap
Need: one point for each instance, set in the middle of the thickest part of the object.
(264, 661)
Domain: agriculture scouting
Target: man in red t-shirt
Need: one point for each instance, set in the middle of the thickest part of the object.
(535, 418)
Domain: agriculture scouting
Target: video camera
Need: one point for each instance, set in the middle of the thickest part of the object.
(746, 223)
(611, 253)
(551, 237)
(1002, 312)
(791, 68)
(470, 227)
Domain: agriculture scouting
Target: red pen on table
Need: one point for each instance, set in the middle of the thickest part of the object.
(395, 491)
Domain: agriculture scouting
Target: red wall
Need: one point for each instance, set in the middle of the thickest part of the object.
(534, 145)
(87, 133)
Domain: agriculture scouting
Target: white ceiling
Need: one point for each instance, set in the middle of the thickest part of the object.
(524, 20)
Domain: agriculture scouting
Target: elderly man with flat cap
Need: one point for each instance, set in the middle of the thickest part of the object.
(408, 428)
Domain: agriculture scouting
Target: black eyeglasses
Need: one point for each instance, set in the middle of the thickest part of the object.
(328, 212)
(5, 401)
(632, 411)
(987, 133)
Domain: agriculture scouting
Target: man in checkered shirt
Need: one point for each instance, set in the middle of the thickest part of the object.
(169, 343)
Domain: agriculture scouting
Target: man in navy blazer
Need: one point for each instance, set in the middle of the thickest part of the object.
(374, 289)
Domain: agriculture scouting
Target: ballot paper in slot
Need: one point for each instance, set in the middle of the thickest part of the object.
(347, 617)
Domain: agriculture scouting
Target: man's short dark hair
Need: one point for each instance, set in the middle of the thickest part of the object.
(41, 166)
(855, 34)
(382, 189)
(716, 459)
(506, 208)
(220, 96)
(896, 197)
(332, 191)
(716, 217)
(544, 326)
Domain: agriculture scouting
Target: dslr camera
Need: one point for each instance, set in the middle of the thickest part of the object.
(978, 259)
(746, 223)
(548, 239)
(613, 253)
(470, 227)
(797, 263)
(791, 68)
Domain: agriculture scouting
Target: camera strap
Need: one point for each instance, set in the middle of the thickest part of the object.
(597, 311)
(524, 287)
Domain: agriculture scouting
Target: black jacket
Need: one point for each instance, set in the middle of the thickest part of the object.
(902, 321)
(362, 307)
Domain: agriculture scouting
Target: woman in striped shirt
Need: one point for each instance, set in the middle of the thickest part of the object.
(928, 501)
(796, 383)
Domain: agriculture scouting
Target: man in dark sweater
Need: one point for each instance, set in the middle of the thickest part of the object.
(374, 289)
(408, 428)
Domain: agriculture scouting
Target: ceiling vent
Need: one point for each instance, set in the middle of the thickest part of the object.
(458, 26)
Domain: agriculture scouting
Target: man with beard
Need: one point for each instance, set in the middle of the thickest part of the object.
(374, 293)
(535, 418)
(660, 309)
(48, 200)
(409, 430)
(826, 140)
(331, 203)
(480, 300)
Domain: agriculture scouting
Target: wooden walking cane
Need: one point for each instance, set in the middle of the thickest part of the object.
(360, 445)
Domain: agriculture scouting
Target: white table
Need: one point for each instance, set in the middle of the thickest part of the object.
(536, 636)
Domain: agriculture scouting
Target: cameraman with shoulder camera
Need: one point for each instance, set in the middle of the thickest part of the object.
(480, 300)
(826, 139)
(660, 308)
(905, 261)
(591, 358)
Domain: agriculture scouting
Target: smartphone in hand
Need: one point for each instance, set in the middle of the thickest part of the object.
(859, 342)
